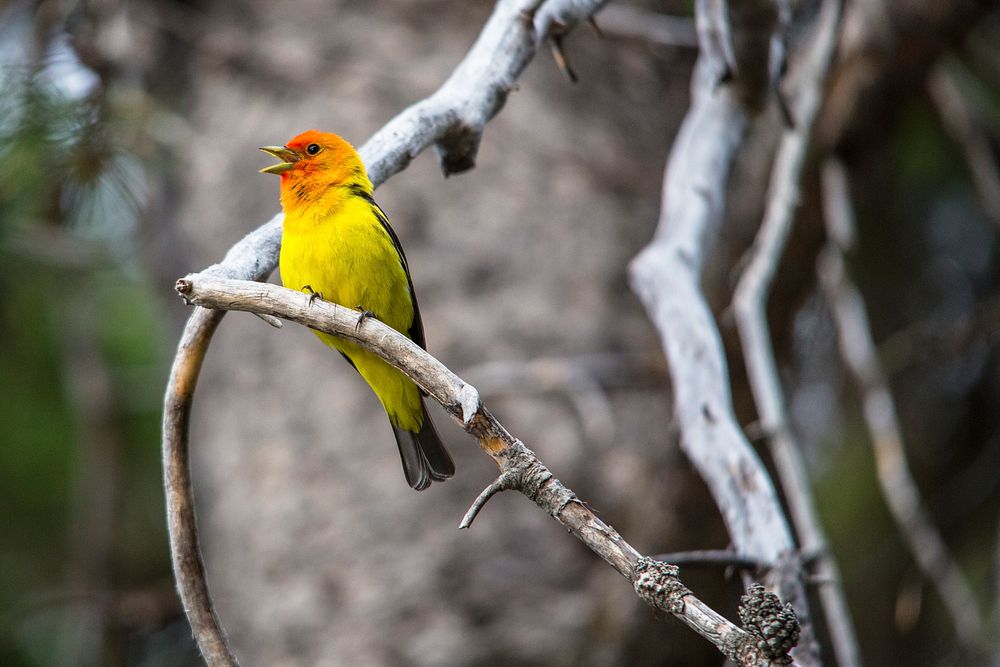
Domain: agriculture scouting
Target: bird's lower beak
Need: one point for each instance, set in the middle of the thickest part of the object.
(287, 156)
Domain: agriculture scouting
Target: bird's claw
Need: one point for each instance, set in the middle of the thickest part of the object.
(313, 294)
(365, 314)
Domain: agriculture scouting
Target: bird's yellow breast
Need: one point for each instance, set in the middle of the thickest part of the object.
(345, 254)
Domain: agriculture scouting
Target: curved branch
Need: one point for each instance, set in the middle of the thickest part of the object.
(189, 570)
(749, 305)
(452, 119)
(654, 581)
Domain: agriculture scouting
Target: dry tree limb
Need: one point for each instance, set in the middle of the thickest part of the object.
(452, 119)
(634, 23)
(711, 558)
(666, 275)
(959, 119)
(654, 581)
(861, 358)
(750, 308)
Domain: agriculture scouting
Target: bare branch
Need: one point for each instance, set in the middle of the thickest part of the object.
(861, 357)
(452, 119)
(189, 570)
(711, 558)
(750, 308)
(960, 120)
(666, 275)
(520, 469)
(635, 23)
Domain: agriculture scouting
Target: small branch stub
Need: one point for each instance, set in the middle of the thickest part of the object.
(523, 472)
(656, 582)
(506, 481)
(774, 625)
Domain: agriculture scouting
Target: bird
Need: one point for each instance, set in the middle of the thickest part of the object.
(337, 245)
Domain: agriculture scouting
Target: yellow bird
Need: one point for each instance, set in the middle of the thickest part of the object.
(337, 243)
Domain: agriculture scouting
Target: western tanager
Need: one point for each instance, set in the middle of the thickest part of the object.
(337, 243)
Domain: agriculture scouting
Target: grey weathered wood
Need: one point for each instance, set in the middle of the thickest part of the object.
(729, 79)
(749, 307)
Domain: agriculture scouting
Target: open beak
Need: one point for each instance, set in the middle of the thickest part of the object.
(287, 156)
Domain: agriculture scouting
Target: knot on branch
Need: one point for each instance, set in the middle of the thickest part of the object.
(656, 582)
(537, 482)
(529, 471)
(457, 147)
(773, 625)
(522, 471)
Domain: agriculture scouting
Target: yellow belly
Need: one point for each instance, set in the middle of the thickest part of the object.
(348, 258)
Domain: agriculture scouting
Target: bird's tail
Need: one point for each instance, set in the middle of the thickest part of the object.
(425, 459)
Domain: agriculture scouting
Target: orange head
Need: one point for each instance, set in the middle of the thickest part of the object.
(313, 163)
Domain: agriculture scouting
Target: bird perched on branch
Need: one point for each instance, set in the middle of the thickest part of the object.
(337, 244)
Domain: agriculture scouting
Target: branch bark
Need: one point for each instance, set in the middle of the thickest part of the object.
(666, 275)
(750, 308)
(654, 581)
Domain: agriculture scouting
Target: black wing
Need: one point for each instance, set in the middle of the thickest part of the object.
(416, 330)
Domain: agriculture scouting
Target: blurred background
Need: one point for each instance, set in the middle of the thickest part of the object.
(128, 135)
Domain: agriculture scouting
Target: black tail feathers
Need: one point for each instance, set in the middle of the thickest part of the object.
(425, 459)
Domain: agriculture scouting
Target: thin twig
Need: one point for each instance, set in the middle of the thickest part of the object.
(520, 469)
(666, 275)
(559, 56)
(452, 119)
(861, 358)
(750, 308)
(635, 23)
(711, 558)
(960, 120)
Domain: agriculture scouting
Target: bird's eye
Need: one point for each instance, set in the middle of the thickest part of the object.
(312, 149)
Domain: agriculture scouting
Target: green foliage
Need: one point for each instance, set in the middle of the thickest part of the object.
(70, 199)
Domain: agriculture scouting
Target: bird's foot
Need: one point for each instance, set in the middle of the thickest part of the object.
(313, 294)
(365, 314)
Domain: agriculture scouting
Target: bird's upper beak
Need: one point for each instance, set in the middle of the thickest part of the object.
(287, 156)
